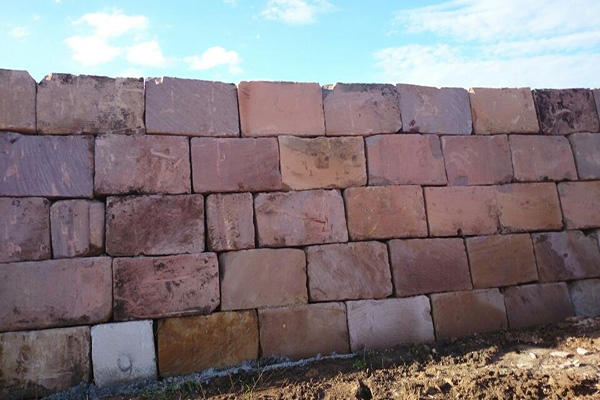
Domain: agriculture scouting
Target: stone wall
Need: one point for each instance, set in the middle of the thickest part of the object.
(163, 227)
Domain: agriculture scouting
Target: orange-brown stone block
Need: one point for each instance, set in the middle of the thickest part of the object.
(528, 207)
(24, 229)
(542, 158)
(77, 228)
(580, 204)
(229, 221)
(503, 110)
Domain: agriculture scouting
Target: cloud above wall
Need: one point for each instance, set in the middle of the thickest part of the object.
(296, 12)
(216, 57)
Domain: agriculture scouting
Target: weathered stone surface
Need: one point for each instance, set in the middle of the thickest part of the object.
(586, 147)
(230, 221)
(17, 101)
(72, 104)
(597, 100)
(51, 293)
(381, 324)
(503, 110)
(123, 353)
(537, 304)
(431, 110)
(421, 266)
(276, 108)
(361, 109)
(405, 160)
(67, 164)
(192, 344)
(235, 165)
(542, 158)
(348, 271)
(156, 287)
(465, 313)
(24, 229)
(477, 160)
(37, 363)
(304, 331)
(585, 296)
(191, 107)
(154, 225)
(262, 278)
(528, 207)
(300, 218)
(580, 204)
(77, 228)
(385, 212)
(322, 162)
(501, 260)
(564, 111)
(141, 164)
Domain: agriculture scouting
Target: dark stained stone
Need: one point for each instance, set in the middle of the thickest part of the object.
(564, 111)
(537, 304)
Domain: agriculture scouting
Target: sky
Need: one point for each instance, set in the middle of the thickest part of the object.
(457, 43)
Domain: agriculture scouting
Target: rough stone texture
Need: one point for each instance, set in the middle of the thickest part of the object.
(597, 100)
(421, 266)
(219, 340)
(44, 294)
(528, 207)
(477, 160)
(230, 221)
(385, 212)
(537, 304)
(586, 147)
(141, 164)
(37, 363)
(431, 110)
(67, 164)
(381, 324)
(564, 111)
(585, 296)
(580, 204)
(461, 211)
(276, 108)
(304, 331)
(542, 158)
(123, 353)
(322, 162)
(156, 287)
(405, 160)
(191, 107)
(262, 278)
(501, 260)
(24, 229)
(235, 165)
(71, 104)
(154, 225)
(348, 271)
(361, 109)
(17, 101)
(465, 313)
(77, 228)
(300, 218)
(503, 110)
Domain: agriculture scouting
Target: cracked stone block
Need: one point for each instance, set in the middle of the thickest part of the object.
(17, 101)
(77, 228)
(24, 229)
(565, 111)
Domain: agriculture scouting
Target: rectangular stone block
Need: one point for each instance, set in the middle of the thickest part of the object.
(542, 158)
(503, 110)
(385, 212)
(71, 104)
(586, 148)
(528, 207)
(191, 107)
(262, 278)
(230, 221)
(51, 293)
(235, 165)
(219, 340)
(67, 164)
(77, 228)
(141, 164)
(580, 204)
(304, 331)
(281, 108)
(597, 100)
(405, 160)
(156, 287)
(300, 218)
(24, 229)
(154, 225)
(585, 296)
(381, 324)
(564, 111)
(537, 304)
(17, 101)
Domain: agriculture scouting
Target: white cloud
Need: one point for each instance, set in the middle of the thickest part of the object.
(91, 50)
(146, 53)
(36, 17)
(296, 12)
(231, 3)
(114, 24)
(215, 57)
(20, 32)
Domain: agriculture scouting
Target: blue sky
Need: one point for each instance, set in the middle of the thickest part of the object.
(537, 43)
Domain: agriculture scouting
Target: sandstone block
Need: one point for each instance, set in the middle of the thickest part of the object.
(580, 204)
(597, 100)
(77, 228)
(564, 111)
(17, 101)
(25, 229)
(585, 296)
(230, 221)
(537, 304)
(542, 158)
(505, 110)
(586, 148)
(528, 207)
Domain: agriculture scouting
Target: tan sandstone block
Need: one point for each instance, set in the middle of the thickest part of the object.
(24, 229)
(17, 101)
(537, 304)
(586, 148)
(580, 204)
(503, 110)
(230, 221)
(542, 158)
(77, 228)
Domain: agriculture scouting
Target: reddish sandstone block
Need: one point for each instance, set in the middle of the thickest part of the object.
(24, 229)
(17, 101)
(537, 304)
(564, 111)
(276, 108)
(580, 204)
(501, 260)
(503, 110)
(586, 147)
(528, 207)
(405, 160)
(77, 228)
(421, 266)
(597, 100)
(235, 165)
(542, 158)
(154, 225)
(230, 224)
(300, 218)
(303, 331)
(51, 293)
(385, 212)
(585, 296)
